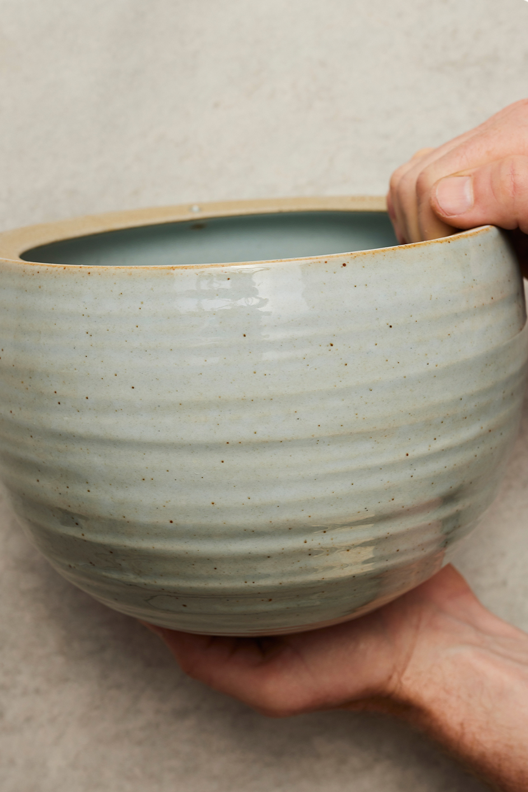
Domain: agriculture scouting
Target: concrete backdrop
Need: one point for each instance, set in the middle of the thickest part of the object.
(117, 104)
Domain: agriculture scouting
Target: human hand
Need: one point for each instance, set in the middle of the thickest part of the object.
(358, 664)
(478, 178)
(364, 663)
(435, 656)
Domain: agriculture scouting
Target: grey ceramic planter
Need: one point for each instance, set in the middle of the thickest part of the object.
(266, 445)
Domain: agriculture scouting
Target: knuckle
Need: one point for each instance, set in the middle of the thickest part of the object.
(404, 186)
(518, 109)
(521, 104)
(424, 181)
(400, 175)
(513, 181)
(395, 180)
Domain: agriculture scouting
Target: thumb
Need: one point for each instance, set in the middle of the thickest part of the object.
(495, 193)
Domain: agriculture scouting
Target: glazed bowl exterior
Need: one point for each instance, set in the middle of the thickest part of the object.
(254, 447)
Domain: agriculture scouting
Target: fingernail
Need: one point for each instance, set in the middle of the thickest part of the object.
(454, 195)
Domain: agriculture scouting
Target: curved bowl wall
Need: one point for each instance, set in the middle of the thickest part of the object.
(256, 448)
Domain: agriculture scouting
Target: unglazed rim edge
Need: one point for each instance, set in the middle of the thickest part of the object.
(15, 242)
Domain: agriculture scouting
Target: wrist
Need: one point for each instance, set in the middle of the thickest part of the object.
(468, 688)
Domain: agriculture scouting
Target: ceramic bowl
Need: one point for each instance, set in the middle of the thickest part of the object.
(214, 419)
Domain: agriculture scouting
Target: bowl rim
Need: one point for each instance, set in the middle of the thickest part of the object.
(14, 243)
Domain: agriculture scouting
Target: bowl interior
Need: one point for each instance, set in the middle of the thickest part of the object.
(221, 240)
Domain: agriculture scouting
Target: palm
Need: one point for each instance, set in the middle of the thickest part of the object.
(358, 663)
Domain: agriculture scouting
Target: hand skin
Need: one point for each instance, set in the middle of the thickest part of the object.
(478, 178)
(435, 657)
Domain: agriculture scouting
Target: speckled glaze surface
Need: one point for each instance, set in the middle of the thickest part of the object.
(261, 447)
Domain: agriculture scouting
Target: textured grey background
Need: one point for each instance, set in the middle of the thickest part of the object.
(120, 103)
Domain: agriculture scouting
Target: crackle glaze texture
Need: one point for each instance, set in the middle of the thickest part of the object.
(261, 447)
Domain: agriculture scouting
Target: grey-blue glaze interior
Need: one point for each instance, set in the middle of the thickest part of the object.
(225, 239)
